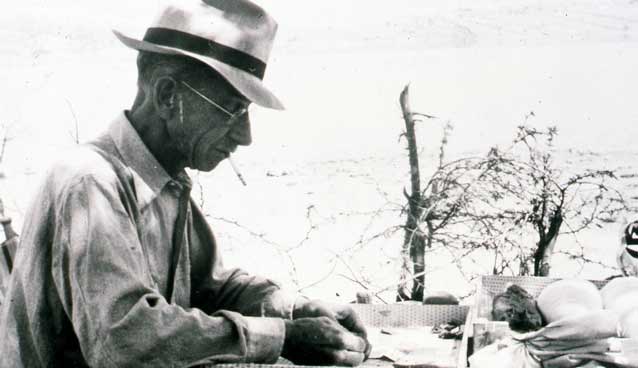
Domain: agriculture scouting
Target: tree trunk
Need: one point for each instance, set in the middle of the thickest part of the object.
(546, 245)
(414, 240)
(418, 262)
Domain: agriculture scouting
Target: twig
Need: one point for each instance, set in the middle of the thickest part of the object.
(376, 295)
(75, 138)
(322, 279)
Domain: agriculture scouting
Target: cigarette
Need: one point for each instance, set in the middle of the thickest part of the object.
(232, 164)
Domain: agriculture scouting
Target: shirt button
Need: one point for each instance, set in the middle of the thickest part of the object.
(174, 186)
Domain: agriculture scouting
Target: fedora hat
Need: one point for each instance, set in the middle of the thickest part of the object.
(232, 37)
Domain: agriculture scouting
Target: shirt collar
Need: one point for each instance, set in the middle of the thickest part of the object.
(136, 155)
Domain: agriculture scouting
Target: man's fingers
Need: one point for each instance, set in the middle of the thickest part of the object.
(352, 342)
(350, 320)
(343, 357)
(337, 337)
(368, 350)
(349, 358)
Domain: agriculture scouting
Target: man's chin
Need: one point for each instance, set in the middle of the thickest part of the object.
(205, 166)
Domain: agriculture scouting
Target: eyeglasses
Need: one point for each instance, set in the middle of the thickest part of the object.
(232, 116)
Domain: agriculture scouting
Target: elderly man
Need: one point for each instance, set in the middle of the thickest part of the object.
(117, 266)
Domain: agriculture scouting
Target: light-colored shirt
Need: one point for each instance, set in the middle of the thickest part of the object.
(90, 276)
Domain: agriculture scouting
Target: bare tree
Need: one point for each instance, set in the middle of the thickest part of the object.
(548, 200)
(428, 210)
(515, 203)
(496, 204)
(414, 239)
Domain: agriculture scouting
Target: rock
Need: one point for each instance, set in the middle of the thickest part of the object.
(440, 298)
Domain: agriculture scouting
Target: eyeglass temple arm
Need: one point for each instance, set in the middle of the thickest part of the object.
(207, 99)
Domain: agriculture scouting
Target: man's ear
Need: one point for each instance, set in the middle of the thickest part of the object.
(165, 97)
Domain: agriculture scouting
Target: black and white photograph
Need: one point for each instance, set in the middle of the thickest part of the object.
(264, 184)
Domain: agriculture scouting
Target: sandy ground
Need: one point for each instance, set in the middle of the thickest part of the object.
(320, 172)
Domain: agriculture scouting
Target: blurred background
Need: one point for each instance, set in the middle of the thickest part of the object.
(325, 177)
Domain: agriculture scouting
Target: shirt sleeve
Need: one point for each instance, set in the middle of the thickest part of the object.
(216, 287)
(101, 274)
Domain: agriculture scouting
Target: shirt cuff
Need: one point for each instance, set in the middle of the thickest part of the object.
(265, 339)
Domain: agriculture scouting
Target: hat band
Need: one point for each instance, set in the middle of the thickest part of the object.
(205, 47)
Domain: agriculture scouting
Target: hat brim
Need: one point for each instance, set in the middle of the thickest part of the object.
(247, 84)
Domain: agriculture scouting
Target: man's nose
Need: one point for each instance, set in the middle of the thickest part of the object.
(240, 131)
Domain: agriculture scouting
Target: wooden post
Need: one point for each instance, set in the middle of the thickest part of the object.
(414, 239)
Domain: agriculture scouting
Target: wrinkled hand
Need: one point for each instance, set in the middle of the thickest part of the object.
(322, 341)
(343, 314)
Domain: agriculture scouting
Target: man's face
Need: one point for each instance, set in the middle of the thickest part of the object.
(210, 123)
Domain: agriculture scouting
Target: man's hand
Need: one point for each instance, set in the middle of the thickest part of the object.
(343, 314)
(322, 341)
